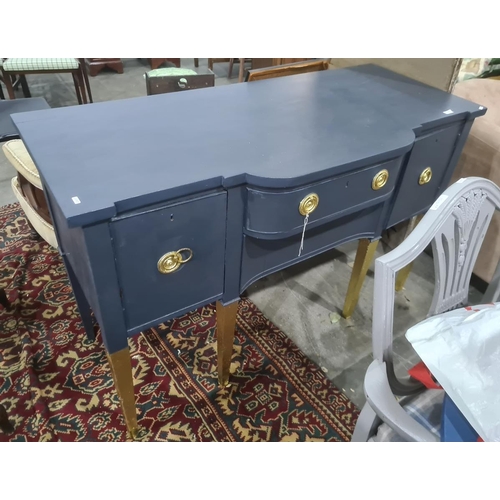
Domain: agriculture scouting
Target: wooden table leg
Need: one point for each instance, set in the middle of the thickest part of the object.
(226, 323)
(364, 257)
(121, 369)
(242, 70)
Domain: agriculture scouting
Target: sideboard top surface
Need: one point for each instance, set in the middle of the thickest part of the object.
(102, 158)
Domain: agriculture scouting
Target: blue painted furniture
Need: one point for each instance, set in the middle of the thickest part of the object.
(165, 203)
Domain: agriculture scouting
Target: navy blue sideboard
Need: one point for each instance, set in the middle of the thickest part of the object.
(165, 203)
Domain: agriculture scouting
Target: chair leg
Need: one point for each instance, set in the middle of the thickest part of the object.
(8, 84)
(24, 86)
(196, 62)
(83, 70)
(121, 370)
(2, 96)
(226, 323)
(230, 71)
(77, 88)
(363, 260)
(242, 70)
(366, 426)
(210, 64)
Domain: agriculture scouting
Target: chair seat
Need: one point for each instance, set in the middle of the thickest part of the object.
(426, 409)
(18, 155)
(45, 230)
(15, 64)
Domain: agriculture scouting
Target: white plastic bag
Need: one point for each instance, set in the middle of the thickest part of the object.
(461, 348)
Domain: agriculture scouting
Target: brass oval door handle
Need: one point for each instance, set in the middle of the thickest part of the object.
(309, 204)
(380, 180)
(171, 261)
(425, 176)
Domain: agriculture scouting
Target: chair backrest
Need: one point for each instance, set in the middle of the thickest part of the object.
(286, 70)
(165, 80)
(456, 225)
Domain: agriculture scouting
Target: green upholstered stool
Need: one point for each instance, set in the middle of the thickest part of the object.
(21, 64)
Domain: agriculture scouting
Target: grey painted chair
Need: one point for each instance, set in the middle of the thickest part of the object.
(456, 226)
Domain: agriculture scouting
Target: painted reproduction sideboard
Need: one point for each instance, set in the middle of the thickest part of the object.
(165, 203)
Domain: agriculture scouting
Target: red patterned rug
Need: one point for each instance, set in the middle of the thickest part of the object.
(56, 385)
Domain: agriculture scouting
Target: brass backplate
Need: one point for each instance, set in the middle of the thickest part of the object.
(380, 180)
(425, 176)
(308, 204)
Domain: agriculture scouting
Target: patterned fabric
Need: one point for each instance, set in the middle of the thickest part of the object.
(424, 408)
(23, 64)
(56, 385)
(479, 68)
(171, 72)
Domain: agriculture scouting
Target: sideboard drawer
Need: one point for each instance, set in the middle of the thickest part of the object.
(141, 240)
(264, 256)
(430, 153)
(272, 215)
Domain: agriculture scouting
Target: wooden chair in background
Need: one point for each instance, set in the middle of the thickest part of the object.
(241, 72)
(14, 66)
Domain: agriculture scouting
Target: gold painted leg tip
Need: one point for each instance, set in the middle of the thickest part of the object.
(134, 433)
(346, 314)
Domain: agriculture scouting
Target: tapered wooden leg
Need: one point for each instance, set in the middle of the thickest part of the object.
(364, 257)
(403, 274)
(230, 71)
(242, 70)
(196, 62)
(210, 64)
(226, 323)
(121, 369)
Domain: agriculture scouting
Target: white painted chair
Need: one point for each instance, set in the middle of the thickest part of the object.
(456, 226)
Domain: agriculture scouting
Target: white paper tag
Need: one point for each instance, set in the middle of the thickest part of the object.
(439, 202)
(76, 200)
(448, 112)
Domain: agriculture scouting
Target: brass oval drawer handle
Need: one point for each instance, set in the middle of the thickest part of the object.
(380, 180)
(309, 204)
(425, 176)
(171, 261)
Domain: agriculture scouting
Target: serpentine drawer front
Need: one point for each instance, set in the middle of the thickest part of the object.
(263, 256)
(170, 259)
(429, 160)
(277, 214)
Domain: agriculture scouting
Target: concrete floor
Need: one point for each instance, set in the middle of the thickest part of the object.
(305, 300)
